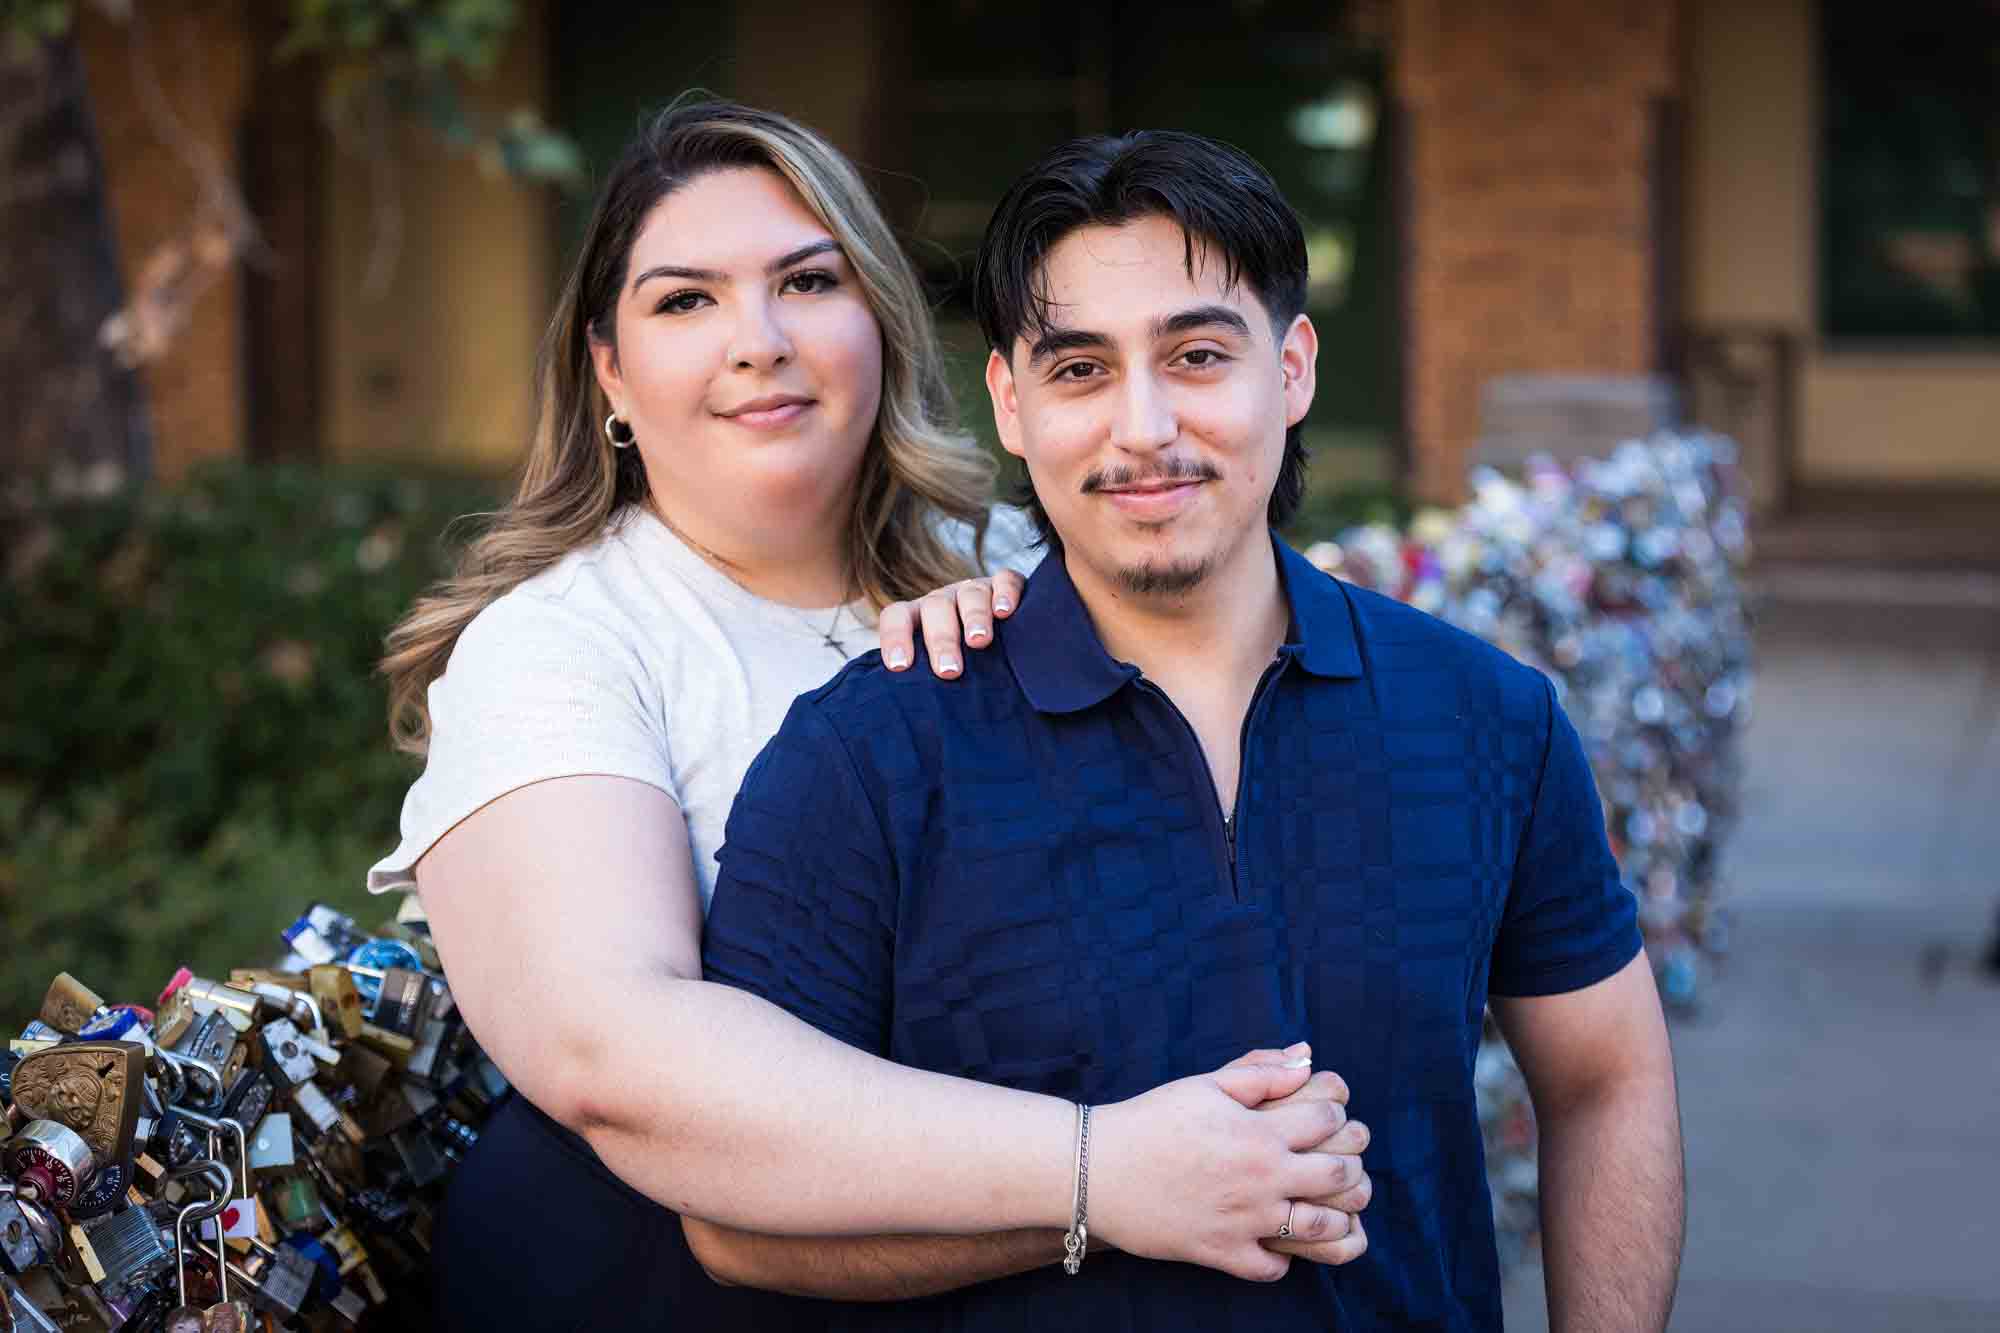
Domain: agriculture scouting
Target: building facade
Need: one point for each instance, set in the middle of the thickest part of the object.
(1553, 221)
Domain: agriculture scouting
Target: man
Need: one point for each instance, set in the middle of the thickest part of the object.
(1202, 794)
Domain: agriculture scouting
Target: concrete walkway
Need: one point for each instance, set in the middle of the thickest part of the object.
(1841, 1088)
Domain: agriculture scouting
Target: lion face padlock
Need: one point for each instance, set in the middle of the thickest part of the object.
(95, 1088)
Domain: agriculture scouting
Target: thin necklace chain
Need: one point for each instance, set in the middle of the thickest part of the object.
(727, 569)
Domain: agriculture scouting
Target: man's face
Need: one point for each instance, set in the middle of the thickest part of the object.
(1152, 414)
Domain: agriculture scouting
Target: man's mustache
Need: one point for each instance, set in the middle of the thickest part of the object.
(1169, 470)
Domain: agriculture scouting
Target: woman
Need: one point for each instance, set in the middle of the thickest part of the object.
(740, 457)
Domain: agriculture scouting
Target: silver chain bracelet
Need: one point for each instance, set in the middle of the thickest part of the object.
(1077, 1239)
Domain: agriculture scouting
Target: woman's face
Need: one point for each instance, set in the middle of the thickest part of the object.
(748, 361)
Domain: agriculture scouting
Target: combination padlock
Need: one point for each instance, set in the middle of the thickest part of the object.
(50, 1163)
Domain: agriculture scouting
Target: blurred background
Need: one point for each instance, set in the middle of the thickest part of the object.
(272, 276)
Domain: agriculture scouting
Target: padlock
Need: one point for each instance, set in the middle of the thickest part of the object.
(50, 1163)
(18, 1314)
(339, 1002)
(233, 1067)
(284, 1281)
(28, 1234)
(188, 1317)
(419, 1155)
(70, 1005)
(391, 1046)
(228, 1317)
(347, 1248)
(105, 1192)
(95, 1088)
(175, 1141)
(250, 1100)
(372, 959)
(204, 1052)
(271, 1143)
(176, 1017)
(131, 1249)
(85, 1253)
(364, 1071)
(349, 1304)
(403, 1002)
(285, 1055)
(242, 1186)
(323, 935)
(295, 1199)
(219, 997)
(320, 1112)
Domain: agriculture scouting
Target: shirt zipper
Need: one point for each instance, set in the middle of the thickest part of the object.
(1228, 817)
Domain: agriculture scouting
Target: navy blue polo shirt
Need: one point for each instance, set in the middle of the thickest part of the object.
(1024, 877)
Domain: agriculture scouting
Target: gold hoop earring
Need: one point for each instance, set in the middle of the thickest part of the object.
(613, 428)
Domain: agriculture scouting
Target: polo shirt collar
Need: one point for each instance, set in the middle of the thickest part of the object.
(1062, 665)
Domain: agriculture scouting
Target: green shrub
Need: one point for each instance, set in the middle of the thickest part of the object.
(196, 741)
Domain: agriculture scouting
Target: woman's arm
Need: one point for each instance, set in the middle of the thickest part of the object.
(889, 1268)
(567, 916)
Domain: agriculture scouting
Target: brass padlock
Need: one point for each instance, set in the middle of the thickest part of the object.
(70, 1005)
(339, 1002)
(176, 1016)
(94, 1087)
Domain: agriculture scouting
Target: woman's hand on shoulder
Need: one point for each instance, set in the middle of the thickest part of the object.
(958, 615)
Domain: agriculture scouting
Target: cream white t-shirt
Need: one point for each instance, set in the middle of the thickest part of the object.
(635, 658)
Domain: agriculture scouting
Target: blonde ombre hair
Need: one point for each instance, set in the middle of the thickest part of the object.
(917, 470)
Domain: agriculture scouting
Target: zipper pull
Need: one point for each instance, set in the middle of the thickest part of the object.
(1229, 836)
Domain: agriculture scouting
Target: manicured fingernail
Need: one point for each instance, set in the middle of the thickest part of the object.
(898, 659)
(1299, 1048)
(947, 665)
(975, 637)
(1001, 606)
(1303, 1062)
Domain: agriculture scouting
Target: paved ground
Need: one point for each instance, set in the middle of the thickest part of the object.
(1841, 1089)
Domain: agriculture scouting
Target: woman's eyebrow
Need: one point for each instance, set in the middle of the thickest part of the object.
(792, 257)
(784, 261)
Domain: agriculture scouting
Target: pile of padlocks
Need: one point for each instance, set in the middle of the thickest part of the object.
(1621, 579)
(264, 1152)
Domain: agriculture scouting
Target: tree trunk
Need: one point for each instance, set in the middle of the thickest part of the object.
(63, 397)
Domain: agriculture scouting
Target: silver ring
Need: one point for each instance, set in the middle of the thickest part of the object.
(1285, 1231)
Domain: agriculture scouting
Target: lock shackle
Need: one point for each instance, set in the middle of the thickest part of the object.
(187, 1062)
(200, 1210)
(297, 1004)
(225, 1125)
(219, 1177)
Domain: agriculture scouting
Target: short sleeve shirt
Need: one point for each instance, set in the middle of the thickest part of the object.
(633, 657)
(1025, 877)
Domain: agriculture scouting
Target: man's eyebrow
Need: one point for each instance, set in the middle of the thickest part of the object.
(784, 261)
(1201, 317)
(1054, 340)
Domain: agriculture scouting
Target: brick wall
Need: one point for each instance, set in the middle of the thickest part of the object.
(198, 56)
(1529, 201)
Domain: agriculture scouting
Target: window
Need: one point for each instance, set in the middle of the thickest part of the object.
(1910, 187)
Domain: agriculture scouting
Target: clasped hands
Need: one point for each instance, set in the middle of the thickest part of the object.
(1326, 1229)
